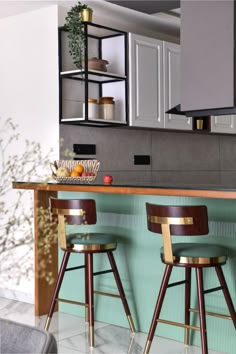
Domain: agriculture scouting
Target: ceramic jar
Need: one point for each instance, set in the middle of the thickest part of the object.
(93, 109)
(97, 64)
(107, 108)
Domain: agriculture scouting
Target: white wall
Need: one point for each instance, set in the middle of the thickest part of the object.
(29, 95)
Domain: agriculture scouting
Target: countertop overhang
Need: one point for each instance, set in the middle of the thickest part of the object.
(201, 191)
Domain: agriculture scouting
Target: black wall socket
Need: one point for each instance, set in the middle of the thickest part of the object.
(84, 149)
(142, 159)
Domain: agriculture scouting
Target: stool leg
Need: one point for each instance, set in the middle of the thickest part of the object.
(89, 282)
(187, 303)
(226, 293)
(202, 313)
(57, 288)
(121, 290)
(86, 288)
(158, 307)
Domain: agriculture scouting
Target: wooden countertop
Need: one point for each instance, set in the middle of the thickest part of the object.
(189, 191)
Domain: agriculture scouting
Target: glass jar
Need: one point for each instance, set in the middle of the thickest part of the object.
(93, 109)
(107, 108)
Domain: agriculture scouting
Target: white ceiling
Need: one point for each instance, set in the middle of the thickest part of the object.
(129, 19)
(9, 7)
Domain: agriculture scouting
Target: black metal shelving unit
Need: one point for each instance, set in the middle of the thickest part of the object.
(97, 34)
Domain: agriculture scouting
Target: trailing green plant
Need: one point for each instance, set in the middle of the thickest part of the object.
(76, 36)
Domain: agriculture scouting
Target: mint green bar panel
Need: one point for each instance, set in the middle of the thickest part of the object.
(141, 269)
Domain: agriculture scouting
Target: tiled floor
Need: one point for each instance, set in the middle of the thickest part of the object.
(71, 334)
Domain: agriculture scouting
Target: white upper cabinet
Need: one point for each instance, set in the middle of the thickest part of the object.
(223, 124)
(146, 81)
(154, 83)
(171, 62)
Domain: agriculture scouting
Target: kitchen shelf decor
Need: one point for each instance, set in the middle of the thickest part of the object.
(90, 171)
(78, 14)
(79, 87)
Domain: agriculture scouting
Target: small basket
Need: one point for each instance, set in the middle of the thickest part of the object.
(90, 166)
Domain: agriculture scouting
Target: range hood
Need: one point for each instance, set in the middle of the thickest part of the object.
(208, 75)
(202, 112)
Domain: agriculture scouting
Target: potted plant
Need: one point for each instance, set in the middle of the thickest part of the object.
(78, 14)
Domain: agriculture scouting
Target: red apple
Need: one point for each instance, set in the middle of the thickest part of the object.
(107, 179)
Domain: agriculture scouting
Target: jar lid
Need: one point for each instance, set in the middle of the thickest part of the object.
(106, 100)
(92, 100)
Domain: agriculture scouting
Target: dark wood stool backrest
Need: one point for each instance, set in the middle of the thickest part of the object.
(72, 212)
(177, 221)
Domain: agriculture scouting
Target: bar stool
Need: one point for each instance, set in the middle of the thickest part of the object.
(83, 212)
(183, 221)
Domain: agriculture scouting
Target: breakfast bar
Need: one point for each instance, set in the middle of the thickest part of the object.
(121, 209)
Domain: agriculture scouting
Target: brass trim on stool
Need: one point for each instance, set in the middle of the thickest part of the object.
(170, 220)
(47, 324)
(186, 336)
(178, 324)
(147, 347)
(92, 247)
(131, 323)
(91, 336)
(214, 314)
(71, 212)
(196, 260)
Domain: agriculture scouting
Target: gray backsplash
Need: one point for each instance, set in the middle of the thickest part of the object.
(176, 157)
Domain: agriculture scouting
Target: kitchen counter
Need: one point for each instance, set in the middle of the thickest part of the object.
(205, 191)
(121, 210)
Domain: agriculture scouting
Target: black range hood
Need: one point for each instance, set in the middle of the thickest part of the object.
(202, 112)
(208, 65)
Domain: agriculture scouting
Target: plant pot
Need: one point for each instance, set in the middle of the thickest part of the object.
(87, 15)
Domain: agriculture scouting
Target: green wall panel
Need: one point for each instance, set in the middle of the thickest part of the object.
(141, 269)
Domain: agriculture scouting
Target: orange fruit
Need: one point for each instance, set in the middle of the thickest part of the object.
(74, 174)
(79, 168)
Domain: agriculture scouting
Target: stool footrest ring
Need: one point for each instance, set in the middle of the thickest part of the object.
(226, 317)
(178, 324)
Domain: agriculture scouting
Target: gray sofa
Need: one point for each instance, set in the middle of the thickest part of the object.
(21, 338)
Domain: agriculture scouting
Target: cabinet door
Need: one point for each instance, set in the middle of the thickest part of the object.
(171, 62)
(146, 82)
(223, 124)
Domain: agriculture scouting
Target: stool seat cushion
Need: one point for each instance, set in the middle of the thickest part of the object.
(92, 241)
(191, 251)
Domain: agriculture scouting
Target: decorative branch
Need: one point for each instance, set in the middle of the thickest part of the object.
(16, 219)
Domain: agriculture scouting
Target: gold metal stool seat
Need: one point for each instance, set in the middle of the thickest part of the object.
(83, 212)
(187, 221)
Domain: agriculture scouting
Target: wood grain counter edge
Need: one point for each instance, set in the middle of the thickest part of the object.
(179, 192)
